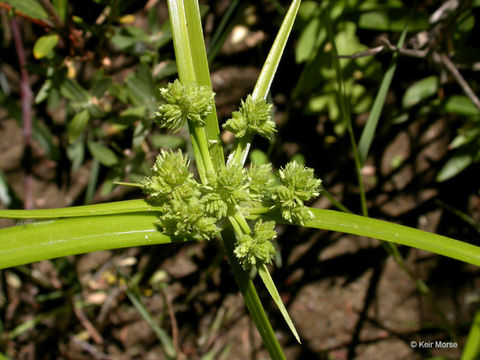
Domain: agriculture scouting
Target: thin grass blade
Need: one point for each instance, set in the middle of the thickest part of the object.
(272, 289)
(371, 125)
(202, 77)
(472, 347)
(262, 87)
(162, 335)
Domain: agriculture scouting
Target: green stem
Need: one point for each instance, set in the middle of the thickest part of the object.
(251, 298)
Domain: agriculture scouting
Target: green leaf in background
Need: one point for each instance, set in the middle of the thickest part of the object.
(77, 125)
(60, 7)
(420, 90)
(103, 154)
(393, 19)
(76, 153)
(31, 8)
(471, 350)
(310, 39)
(44, 45)
(72, 90)
(42, 134)
(258, 157)
(460, 105)
(43, 92)
(166, 341)
(5, 197)
(141, 86)
(167, 141)
(454, 166)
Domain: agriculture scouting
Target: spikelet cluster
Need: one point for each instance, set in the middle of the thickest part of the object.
(298, 185)
(256, 248)
(254, 117)
(184, 102)
(192, 211)
(182, 214)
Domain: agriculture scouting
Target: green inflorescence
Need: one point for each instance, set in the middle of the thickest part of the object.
(184, 102)
(257, 248)
(298, 185)
(190, 210)
(254, 117)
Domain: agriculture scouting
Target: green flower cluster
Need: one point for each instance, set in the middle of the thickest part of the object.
(298, 185)
(192, 211)
(172, 186)
(226, 189)
(253, 117)
(184, 102)
(257, 248)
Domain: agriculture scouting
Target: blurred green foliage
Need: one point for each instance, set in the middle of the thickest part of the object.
(375, 19)
(96, 76)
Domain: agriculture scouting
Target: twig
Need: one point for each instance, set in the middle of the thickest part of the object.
(173, 321)
(88, 325)
(369, 52)
(445, 60)
(388, 47)
(92, 350)
(26, 96)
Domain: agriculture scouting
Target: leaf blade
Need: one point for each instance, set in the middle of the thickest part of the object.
(272, 289)
(43, 240)
(112, 208)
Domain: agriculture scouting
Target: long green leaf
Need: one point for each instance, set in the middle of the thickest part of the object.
(202, 77)
(262, 87)
(272, 289)
(383, 230)
(186, 72)
(118, 207)
(162, 335)
(43, 240)
(472, 346)
(371, 125)
(404, 235)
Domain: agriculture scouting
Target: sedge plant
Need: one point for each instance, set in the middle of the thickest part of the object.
(240, 205)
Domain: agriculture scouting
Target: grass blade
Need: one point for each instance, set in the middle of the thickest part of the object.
(371, 125)
(118, 207)
(262, 87)
(202, 77)
(272, 289)
(162, 335)
(183, 43)
(472, 347)
(43, 240)
(383, 230)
